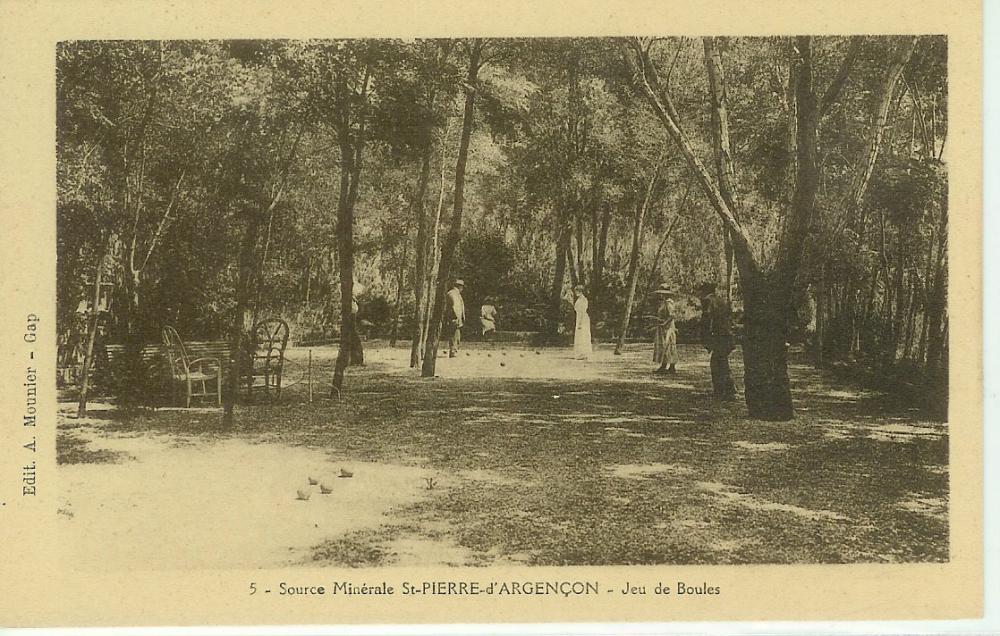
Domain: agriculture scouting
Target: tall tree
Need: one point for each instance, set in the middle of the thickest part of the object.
(475, 54)
(767, 291)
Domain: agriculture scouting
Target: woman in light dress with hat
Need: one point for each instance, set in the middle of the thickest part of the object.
(582, 346)
(665, 341)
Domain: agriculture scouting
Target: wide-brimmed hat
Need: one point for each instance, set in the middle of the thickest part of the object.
(459, 282)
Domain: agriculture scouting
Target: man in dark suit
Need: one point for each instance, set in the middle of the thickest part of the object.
(717, 336)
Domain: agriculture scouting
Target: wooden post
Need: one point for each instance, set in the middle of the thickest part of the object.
(309, 376)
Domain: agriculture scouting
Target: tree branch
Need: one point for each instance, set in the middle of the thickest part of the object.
(645, 74)
(837, 85)
(163, 221)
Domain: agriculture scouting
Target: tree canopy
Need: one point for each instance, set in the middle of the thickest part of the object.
(212, 182)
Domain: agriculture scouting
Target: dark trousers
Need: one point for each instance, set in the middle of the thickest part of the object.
(454, 338)
(722, 378)
(357, 349)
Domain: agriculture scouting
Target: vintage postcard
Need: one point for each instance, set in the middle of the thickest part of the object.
(391, 313)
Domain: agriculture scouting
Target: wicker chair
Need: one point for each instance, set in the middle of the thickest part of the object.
(197, 375)
(268, 340)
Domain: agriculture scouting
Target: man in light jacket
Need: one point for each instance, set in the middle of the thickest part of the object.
(455, 316)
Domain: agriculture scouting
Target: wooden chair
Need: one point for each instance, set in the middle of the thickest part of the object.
(268, 340)
(200, 371)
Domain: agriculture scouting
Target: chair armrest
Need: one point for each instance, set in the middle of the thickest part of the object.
(197, 364)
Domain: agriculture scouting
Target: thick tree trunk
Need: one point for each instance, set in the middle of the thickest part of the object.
(766, 297)
(455, 231)
(765, 356)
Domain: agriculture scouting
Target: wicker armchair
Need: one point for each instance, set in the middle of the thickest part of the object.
(197, 375)
(268, 340)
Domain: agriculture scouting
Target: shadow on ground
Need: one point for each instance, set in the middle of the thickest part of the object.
(550, 461)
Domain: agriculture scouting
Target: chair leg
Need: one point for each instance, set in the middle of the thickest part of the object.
(218, 389)
(188, 393)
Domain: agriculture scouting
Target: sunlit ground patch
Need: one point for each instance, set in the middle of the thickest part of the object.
(725, 493)
(218, 503)
(645, 471)
(422, 551)
(899, 432)
(761, 448)
(936, 507)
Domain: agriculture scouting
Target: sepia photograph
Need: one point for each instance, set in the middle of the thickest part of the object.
(483, 302)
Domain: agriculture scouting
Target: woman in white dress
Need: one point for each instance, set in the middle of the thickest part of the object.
(665, 342)
(582, 347)
(488, 319)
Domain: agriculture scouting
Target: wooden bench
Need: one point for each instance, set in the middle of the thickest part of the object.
(155, 354)
(191, 365)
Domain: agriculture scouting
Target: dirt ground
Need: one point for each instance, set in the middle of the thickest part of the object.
(511, 455)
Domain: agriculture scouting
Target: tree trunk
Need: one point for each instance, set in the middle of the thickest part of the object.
(580, 271)
(937, 336)
(598, 292)
(399, 300)
(654, 266)
(351, 151)
(768, 394)
(766, 297)
(455, 231)
(420, 268)
(345, 260)
(308, 280)
(88, 357)
(571, 264)
(555, 298)
(910, 318)
(432, 275)
(866, 168)
(236, 328)
(726, 172)
(821, 311)
(633, 277)
(633, 260)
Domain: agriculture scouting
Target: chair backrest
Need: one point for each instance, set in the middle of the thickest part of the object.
(270, 336)
(174, 349)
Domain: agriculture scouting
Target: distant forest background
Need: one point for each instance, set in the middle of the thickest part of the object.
(202, 184)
